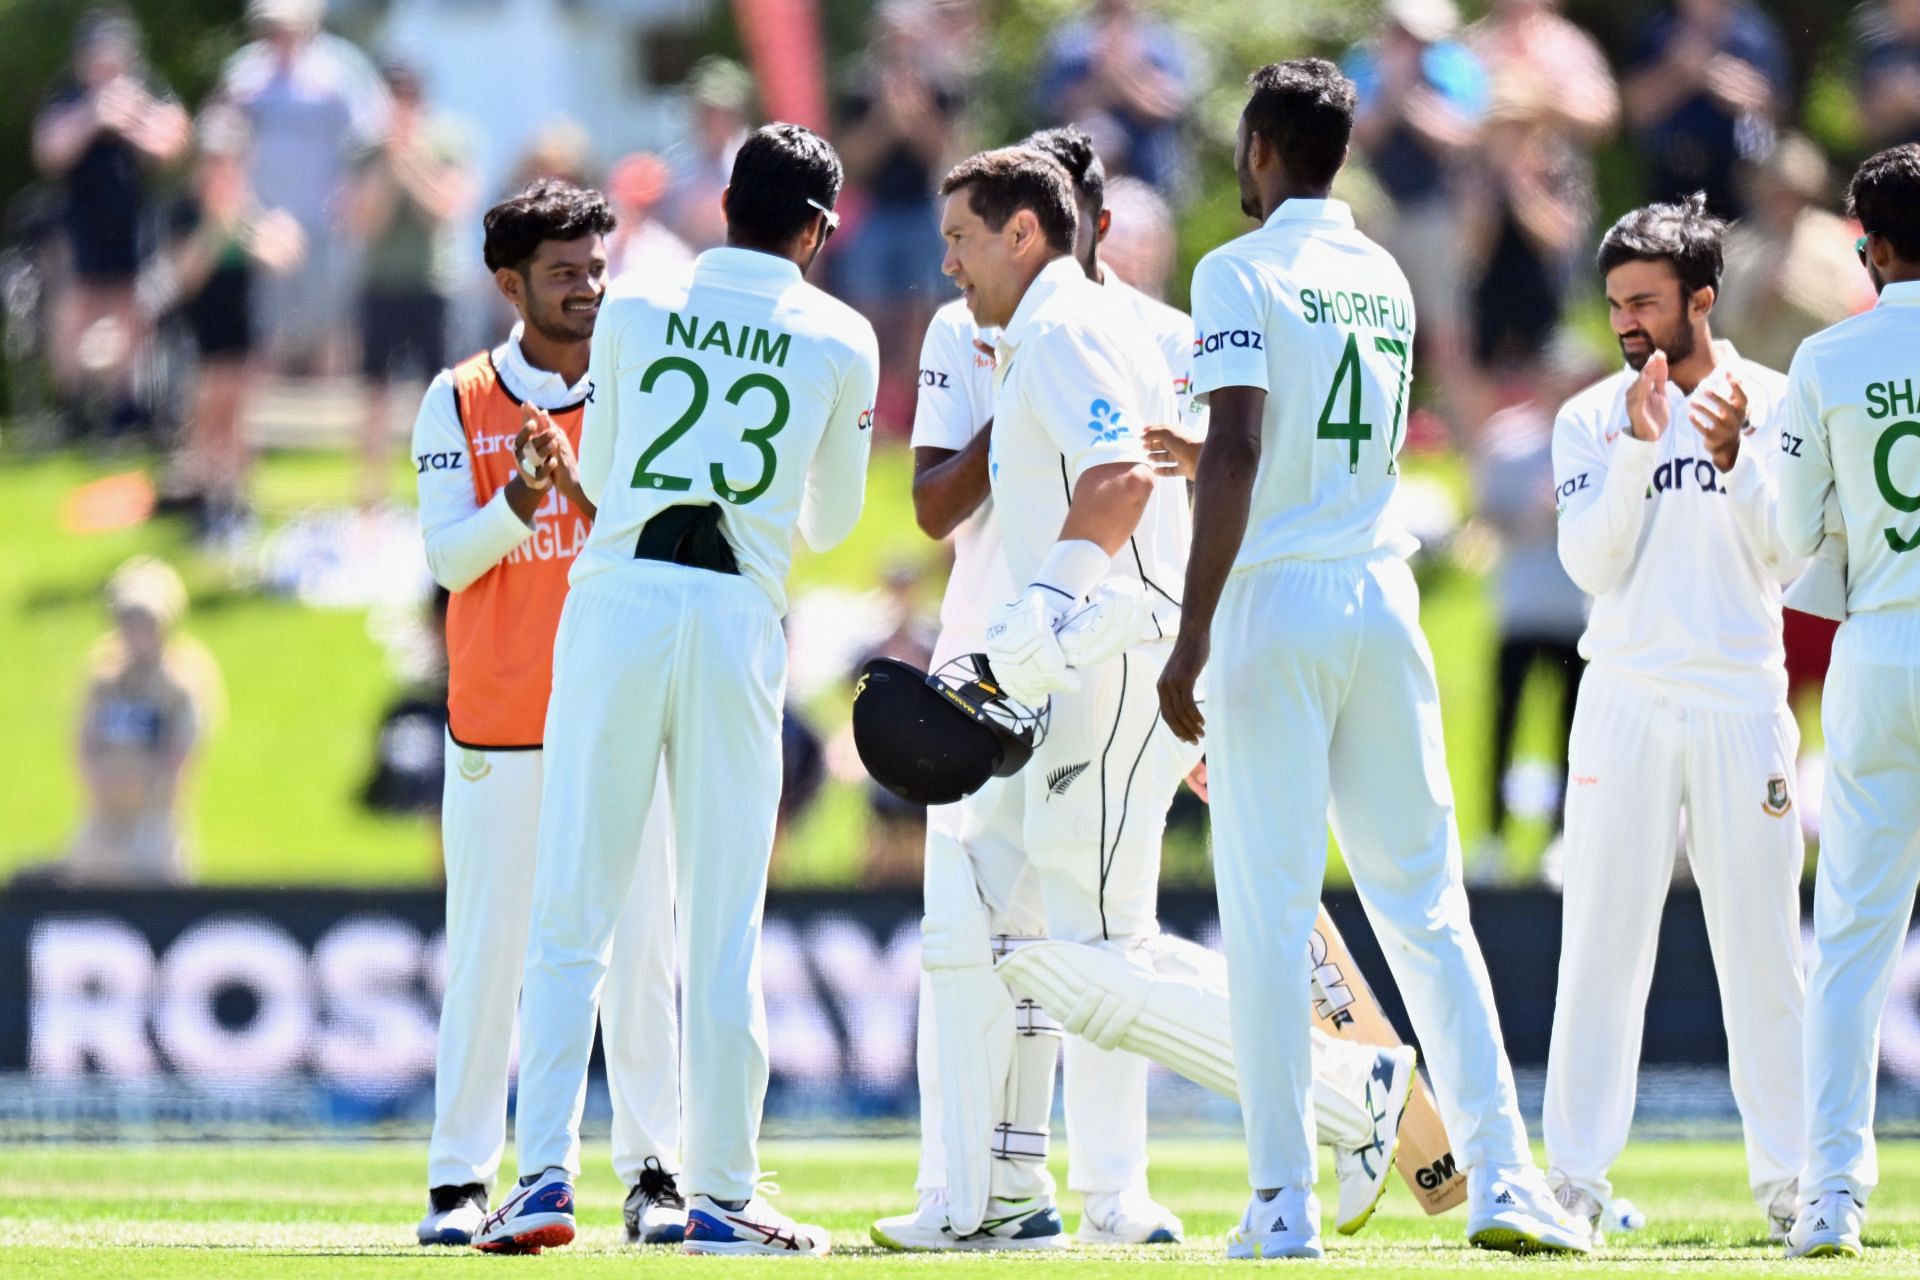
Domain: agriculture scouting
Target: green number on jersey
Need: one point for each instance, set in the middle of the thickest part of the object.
(1883, 476)
(760, 438)
(644, 477)
(1395, 347)
(1351, 429)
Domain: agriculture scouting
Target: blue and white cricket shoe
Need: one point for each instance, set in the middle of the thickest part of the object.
(537, 1215)
(755, 1227)
(453, 1214)
(1363, 1171)
(655, 1211)
(1010, 1224)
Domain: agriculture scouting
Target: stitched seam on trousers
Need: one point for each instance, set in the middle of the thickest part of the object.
(1126, 796)
(1118, 710)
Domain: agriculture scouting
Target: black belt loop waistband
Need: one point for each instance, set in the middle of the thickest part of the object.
(688, 535)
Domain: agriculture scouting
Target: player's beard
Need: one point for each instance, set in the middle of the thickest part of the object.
(1678, 345)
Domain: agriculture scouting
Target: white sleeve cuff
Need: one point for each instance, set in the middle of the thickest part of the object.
(460, 552)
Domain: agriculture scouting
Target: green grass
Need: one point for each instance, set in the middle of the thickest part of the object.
(291, 1210)
(275, 795)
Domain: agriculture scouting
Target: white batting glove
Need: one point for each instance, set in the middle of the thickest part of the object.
(1115, 618)
(1024, 651)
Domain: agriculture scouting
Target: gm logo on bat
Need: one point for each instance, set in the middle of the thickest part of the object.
(1436, 1175)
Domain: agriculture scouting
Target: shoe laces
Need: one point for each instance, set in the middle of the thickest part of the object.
(451, 1197)
(657, 1186)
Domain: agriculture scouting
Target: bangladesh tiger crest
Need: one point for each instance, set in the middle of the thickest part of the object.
(1778, 800)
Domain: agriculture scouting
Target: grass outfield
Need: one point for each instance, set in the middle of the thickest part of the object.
(290, 1210)
(275, 795)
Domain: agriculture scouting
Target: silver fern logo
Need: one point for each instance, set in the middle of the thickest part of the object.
(1060, 779)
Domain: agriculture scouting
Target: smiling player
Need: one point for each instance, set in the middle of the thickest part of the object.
(1669, 519)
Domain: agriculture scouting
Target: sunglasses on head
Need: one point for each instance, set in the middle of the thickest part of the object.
(833, 219)
(1860, 248)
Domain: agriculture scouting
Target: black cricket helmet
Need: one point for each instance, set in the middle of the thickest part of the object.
(935, 739)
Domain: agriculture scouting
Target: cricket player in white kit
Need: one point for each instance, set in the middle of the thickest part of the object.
(502, 539)
(732, 405)
(1851, 448)
(1105, 1090)
(1324, 694)
(1669, 519)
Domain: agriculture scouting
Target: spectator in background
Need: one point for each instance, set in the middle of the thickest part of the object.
(99, 132)
(1526, 217)
(641, 242)
(1790, 265)
(1422, 96)
(1553, 66)
(152, 696)
(561, 152)
(897, 133)
(720, 92)
(1141, 245)
(222, 240)
(1540, 611)
(315, 105)
(1703, 89)
(401, 205)
(1887, 70)
(1127, 80)
(409, 763)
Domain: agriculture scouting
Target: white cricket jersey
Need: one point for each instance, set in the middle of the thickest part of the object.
(1172, 331)
(955, 403)
(463, 538)
(1075, 382)
(1320, 318)
(739, 384)
(1684, 563)
(1852, 428)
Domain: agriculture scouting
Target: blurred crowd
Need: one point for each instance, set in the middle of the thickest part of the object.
(305, 220)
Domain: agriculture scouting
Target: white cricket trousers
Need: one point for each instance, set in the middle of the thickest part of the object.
(1863, 889)
(1635, 759)
(1323, 703)
(651, 657)
(1104, 1093)
(490, 825)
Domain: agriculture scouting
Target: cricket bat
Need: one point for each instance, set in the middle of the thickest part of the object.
(1344, 1006)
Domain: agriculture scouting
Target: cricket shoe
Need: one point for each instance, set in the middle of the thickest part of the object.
(1781, 1211)
(1512, 1211)
(753, 1226)
(453, 1214)
(538, 1215)
(930, 1215)
(1827, 1228)
(1127, 1217)
(1581, 1205)
(1287, 1226)
(1363, 1171)
(655, 1211)
(1032, 1223)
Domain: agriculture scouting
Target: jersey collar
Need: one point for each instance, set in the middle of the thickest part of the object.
(1055, 276)
(1334, 213)
(750, 263)
(542, 388)
(1904, 293)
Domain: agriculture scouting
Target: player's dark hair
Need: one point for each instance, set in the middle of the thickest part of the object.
(1001, 183)
(549, 209)
(1073, 148)
(776, 171)
(1682, 234)
(1304, 109)
(1885, 197)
